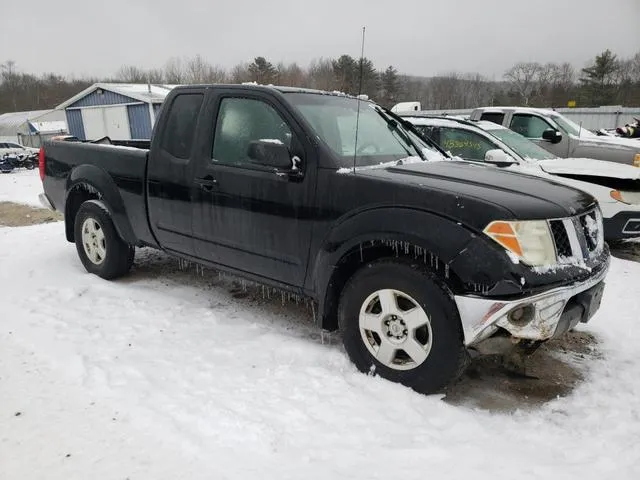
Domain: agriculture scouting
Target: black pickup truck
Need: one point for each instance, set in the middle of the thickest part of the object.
(419, 261)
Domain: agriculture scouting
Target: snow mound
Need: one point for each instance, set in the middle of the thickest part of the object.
(165, 374)
(21, 186)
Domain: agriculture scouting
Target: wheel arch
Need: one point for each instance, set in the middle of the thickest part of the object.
(88, 182)
(410, 234)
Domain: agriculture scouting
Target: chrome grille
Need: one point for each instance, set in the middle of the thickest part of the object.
(578, 237)
(560, 238)
(590, 230)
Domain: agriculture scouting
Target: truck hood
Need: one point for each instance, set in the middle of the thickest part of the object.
(627, 144)
(525, 196)
(589, 167)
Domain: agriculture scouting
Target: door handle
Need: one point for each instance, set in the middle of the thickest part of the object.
(207, 183)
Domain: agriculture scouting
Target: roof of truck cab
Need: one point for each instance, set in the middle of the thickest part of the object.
(280, 88)
(546, 111)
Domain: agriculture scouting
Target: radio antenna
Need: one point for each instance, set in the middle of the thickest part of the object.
(355, 146)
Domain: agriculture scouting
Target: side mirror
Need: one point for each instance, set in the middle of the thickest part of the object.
(552, 135)
(499, 157)
(271, 153)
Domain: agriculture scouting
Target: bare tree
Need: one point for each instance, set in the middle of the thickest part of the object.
(7, 69)
(523, 78)
(10, 80)
(217, 74)
(475, 90)
(199, 70)
(321, 75)
(635, 68)
(445, 91)
(291, 75)
(132, 74)
(174, 71)
(240, 73)
(565, 76)
(155, 75)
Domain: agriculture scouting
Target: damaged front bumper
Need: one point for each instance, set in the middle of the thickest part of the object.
(537, 317)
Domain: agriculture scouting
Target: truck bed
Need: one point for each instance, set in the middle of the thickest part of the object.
(126, 165)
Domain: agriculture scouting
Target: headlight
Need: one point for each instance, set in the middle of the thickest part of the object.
(636, 160)
(530, 241)
(617, 195)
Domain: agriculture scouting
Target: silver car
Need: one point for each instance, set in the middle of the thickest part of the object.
(561, 136)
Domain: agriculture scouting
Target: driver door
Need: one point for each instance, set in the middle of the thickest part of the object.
(247, 216)
(533, 126)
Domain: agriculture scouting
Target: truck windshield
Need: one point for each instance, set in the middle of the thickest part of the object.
(521, 145)
(571, 127)
(379, 139)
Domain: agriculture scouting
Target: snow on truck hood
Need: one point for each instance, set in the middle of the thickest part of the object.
(589, 167)
(623, 143)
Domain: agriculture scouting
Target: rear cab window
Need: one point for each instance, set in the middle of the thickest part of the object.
(180, 126)
(495, 117)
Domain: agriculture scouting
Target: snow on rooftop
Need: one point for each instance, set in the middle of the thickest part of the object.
(135, 90)
(143, 92)
(48, 127)
(13, 120)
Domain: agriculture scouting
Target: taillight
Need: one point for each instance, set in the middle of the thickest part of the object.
(41, 163)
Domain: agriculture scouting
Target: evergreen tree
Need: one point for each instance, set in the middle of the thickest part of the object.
(262, 72)
(599, 80)
(345, 70)
(370, 78)
(390, 86)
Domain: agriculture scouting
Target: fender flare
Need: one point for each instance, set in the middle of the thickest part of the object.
(431, 233)
(98, 181)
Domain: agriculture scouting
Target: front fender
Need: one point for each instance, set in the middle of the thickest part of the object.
(431, 233)
(610, 153)
(100, 183)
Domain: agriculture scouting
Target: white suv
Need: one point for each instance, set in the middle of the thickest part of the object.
(615, 186)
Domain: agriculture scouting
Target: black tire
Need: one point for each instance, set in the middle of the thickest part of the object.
(447, 357)
(118, 256)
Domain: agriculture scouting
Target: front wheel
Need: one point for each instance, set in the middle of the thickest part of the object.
(99, 246)
(399, 321)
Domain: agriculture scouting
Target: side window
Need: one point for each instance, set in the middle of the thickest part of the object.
(529, 126)
(181, 124)
(495, 117)
(242, 121)
(465, 144)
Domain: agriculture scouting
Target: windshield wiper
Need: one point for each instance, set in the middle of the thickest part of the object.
(393, 126)
(407, 125)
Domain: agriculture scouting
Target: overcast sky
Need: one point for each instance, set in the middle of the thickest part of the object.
(422, 37)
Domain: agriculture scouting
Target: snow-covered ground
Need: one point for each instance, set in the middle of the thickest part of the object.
(167, 375)
(21, 186)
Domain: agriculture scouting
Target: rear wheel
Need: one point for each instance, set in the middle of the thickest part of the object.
(399, 321)
(99, 246)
